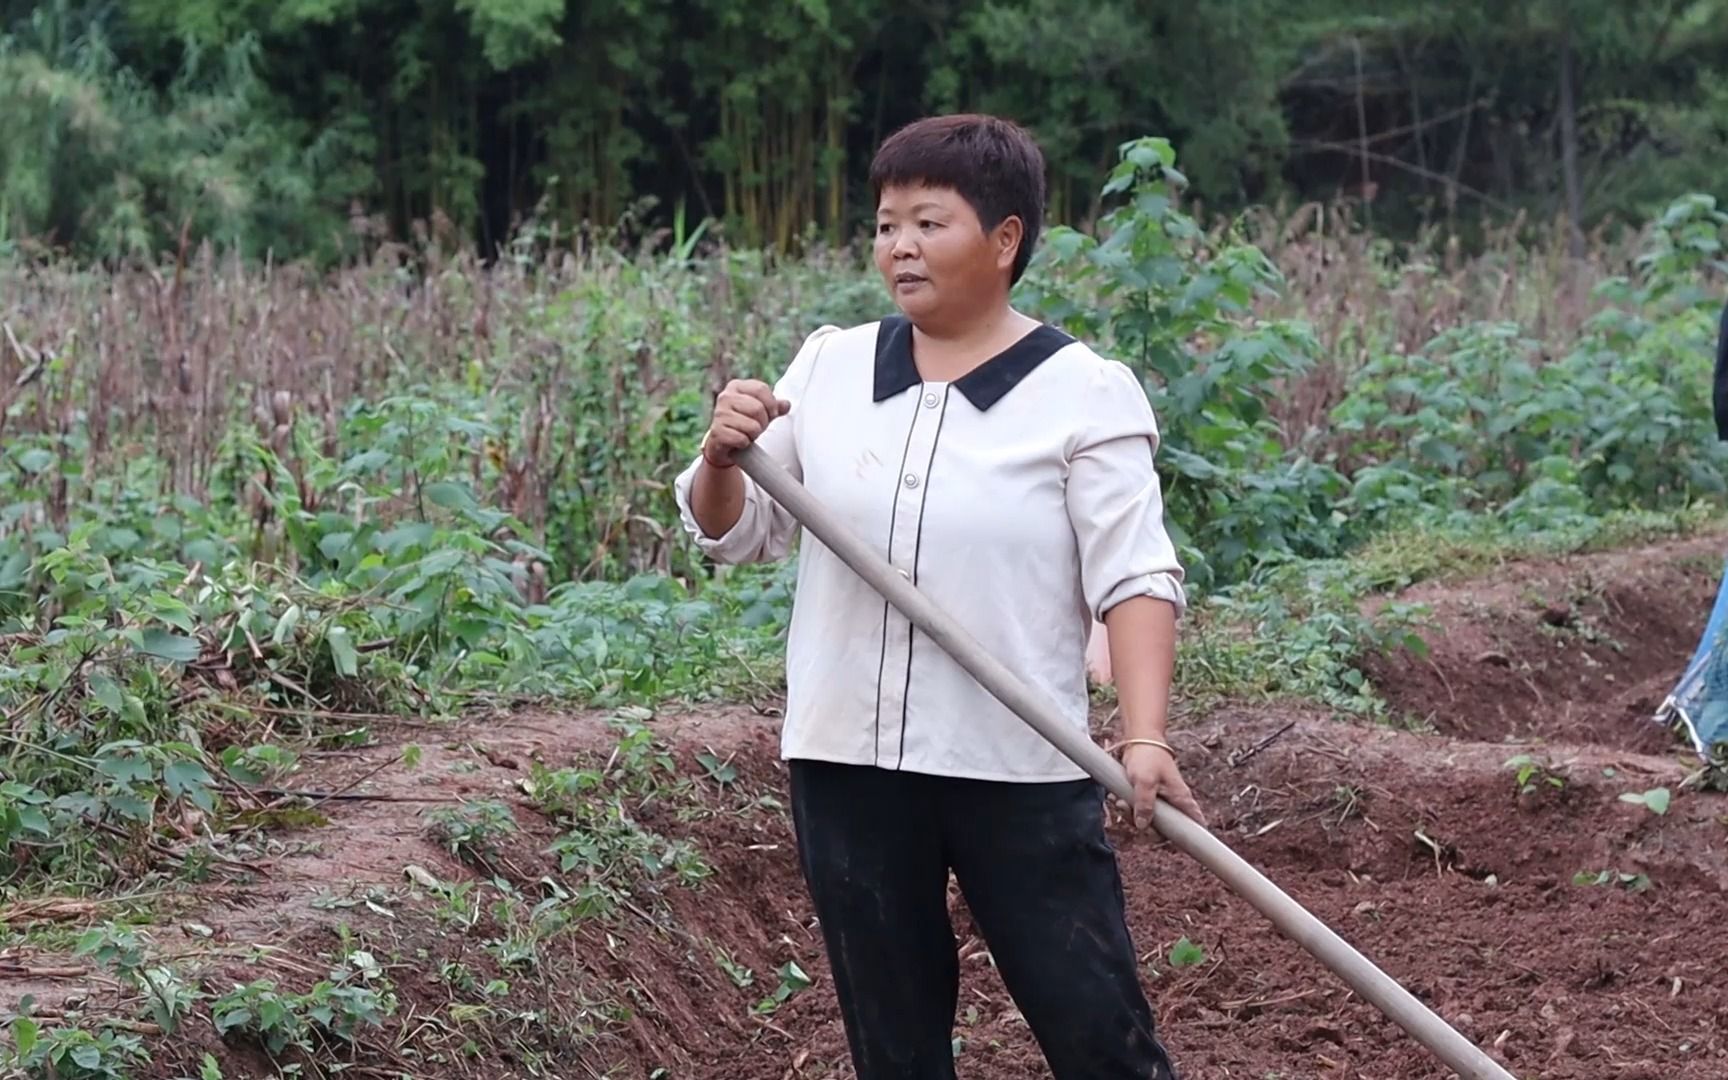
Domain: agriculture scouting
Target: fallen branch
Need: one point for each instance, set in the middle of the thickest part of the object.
(25, 971)
(139, 1026)
(51, 909)
(348, 796)
(1239, 757)
(1262, 1003)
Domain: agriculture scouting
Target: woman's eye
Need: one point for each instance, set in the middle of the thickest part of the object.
(927, 225)
(883, 228)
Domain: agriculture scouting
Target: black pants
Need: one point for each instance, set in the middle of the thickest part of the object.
(1041, 881)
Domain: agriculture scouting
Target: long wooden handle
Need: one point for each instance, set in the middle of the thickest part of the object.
(1422, 1024)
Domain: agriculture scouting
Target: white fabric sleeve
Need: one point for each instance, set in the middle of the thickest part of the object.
(764, 530)
(1115, 498)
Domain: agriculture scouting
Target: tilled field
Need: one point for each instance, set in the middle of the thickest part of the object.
(1574, 934)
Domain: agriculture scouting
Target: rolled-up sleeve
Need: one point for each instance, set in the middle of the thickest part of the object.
(764, 530)
(1116, 500)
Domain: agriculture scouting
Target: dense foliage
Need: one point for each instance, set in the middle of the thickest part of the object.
(319, 127)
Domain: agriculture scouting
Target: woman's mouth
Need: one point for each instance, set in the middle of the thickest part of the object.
(909, 280)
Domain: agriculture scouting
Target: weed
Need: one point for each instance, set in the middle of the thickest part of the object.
(70, 1053)
(473, 830)
(792, 981)
(602, 843)
(329, 1015)
(1635, 883)
(1185, 953)
(168, 997)
(741, 976)
(1655, 800)
(1532, 776)
(1348, 800)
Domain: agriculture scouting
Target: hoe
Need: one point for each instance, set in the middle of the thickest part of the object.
(1294, 921)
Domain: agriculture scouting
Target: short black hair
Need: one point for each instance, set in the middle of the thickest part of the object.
(994, 164)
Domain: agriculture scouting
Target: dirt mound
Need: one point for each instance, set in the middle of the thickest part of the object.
(1582, 649)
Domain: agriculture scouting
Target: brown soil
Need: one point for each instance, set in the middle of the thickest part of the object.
(1580, 650)
(1417, 848)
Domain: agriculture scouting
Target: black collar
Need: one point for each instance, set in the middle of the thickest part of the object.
(984, 385)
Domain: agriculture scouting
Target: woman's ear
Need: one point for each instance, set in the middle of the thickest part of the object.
(1009, 236)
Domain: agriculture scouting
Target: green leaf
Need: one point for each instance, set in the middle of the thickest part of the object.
(34, 820)
(342, 651)
(792, 976)
(172, 611)
(450, 496)
(130, 806)
(24, 1034)
(366, 462)
(286, 624)
(228, 1021)
(88, 1057)
(167, 646)
(1186, 954)
(107, 694)
(403, 537)
(1656, 800)
(35, 460)
(333, 545)
(126, 768)
(190, 780)
(234, 760)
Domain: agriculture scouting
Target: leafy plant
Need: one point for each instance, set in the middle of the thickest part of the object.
(603, 843)
(71, 1053)
(792, 982)
(1532, 775)
(330, 1014)
(473, 830)
(1150, 291)
(1636, 883)
(1655, 800)
(1186, 953)
(741, 975)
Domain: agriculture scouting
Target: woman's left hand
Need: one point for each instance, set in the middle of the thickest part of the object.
(1154, 773)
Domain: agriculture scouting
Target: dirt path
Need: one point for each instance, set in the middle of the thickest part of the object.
(1418, 848)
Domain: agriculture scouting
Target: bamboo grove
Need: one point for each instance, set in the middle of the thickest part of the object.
(316, 127)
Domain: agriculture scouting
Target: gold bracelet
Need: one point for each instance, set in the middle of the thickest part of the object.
(702, 451)
(1160, 743)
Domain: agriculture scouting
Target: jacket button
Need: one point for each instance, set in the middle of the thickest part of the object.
(911, 481)
(929, 401)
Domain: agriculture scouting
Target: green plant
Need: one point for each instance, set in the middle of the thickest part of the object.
(792, 982)
(329, 1015)
(1150, 291)
(71, 1053)
(1185, 953)
(1636, 883)
(1532, 775)
(1655, 800)
(473, 830)
(740, 974)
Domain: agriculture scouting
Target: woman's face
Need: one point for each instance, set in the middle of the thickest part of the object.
(934, 255)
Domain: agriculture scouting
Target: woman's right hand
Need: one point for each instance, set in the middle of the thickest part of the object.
(742, 413)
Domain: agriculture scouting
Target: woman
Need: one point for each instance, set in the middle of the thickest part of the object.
(1007, 471)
